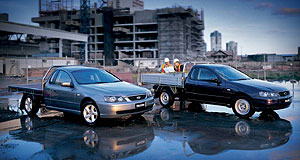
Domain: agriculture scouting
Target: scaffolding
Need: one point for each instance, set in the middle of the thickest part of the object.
(180, 33)
(48, 6)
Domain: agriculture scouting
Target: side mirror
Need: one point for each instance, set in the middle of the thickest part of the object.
(66, 84)
(215, 80)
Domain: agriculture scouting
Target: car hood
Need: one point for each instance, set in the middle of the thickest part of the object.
(116, 89)
(260, 85)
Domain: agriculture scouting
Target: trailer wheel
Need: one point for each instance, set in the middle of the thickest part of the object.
(166, 98)
(28, 103)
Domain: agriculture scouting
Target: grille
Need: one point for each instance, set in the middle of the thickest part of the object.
(285, 93)
(136, 98)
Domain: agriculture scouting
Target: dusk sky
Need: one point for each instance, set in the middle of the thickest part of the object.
(259, 26)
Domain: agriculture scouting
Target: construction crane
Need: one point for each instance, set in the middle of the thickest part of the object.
(103, 3)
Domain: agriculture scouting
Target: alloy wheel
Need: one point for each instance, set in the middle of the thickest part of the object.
(165, 98)
(242, 106)
(90, 113)
(28, 104)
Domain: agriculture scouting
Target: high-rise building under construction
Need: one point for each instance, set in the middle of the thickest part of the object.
(123, 31)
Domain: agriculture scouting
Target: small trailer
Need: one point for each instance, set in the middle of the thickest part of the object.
(167, 86)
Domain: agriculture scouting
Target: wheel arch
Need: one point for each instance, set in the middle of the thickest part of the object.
(240, 94)
(160, 88)
(85, 99)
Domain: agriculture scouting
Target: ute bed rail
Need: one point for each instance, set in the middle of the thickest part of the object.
(169, 79)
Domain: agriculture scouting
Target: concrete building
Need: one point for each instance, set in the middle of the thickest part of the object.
(216, 41)
(15, 44)
(123, 32)
(133, 5)
(232, 47)
(17, 51)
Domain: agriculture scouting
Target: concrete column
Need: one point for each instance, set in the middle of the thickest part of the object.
(86, 52)
(134, 44)
(60, 46)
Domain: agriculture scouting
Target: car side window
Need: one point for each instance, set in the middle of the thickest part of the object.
(52, 79)
(62, 77)
(206, 74)
(194, 74)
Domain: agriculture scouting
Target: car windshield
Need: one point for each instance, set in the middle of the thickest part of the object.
(231, 74)
(93, 76)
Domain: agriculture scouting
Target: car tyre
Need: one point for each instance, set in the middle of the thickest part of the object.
(242, 107)
(90, 113)
(28, 103)
(166, 98)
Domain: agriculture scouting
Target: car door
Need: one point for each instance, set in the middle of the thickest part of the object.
(63, 97)
(190, 83)
(209, 87)
(48, 88)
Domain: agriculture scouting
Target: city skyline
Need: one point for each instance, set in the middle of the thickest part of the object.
(258, 26)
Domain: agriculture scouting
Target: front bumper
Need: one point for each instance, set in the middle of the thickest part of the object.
(272, 104)
(116, 110)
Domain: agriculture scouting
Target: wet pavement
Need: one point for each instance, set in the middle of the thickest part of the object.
(160, 134)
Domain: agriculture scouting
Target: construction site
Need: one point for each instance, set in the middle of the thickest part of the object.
(119, 32)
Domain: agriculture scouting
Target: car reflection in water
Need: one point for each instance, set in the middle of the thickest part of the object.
(68, 140)
(212, 133)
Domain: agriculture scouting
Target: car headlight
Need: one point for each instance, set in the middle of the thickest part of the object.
(268, 94)
(113, 99)
(149, 94)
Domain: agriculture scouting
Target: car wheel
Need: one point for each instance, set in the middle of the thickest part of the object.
(29, 105)
(166, 98)
(90, 113)
(242, 107)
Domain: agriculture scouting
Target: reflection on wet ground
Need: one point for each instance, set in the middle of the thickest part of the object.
(213, 133)
(160, 134)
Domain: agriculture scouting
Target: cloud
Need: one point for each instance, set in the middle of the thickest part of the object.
(287, 11)
(264, 5)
